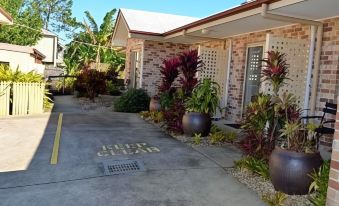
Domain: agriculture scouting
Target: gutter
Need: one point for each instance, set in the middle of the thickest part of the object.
(315, 26)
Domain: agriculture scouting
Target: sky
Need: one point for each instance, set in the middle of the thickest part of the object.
(194, 8)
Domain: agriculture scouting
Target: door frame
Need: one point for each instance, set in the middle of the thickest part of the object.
(135, 57)
(263, 44)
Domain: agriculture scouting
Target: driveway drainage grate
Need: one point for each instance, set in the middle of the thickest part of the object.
(116, 167)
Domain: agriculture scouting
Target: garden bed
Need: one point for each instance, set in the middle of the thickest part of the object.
(204, 141)
(255, 182)
(264, 187)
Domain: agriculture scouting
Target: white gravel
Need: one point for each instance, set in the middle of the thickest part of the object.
(262, 186)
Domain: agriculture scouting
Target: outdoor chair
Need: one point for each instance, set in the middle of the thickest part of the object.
(325, 123)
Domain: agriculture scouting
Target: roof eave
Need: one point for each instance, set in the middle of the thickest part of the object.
(38, 53)
(230, 12)
(145, 33)
(7, 15)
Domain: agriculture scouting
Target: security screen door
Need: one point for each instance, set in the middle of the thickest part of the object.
(253, 72)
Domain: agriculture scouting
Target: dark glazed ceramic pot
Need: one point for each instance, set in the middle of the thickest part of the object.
(154, 104)
(290, 170)
(196, 123)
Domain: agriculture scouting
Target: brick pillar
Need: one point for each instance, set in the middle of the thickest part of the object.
(333, 185)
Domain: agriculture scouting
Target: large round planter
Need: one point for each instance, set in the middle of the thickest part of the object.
(154, 104)
(196, 123)
(290, 170)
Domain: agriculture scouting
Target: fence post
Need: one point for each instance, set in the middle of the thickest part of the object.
(333, 184)
(5, 89)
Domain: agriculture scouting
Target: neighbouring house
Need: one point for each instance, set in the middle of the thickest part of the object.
(46, 57)
(50, 46)
(5, 17)
(232, 44)
(23, 57)
(47, 54)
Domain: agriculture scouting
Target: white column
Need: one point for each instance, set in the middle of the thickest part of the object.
(309, 71)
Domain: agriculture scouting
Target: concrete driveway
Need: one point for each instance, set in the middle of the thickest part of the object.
(175, 174)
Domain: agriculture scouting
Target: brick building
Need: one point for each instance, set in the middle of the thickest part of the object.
(233, 42)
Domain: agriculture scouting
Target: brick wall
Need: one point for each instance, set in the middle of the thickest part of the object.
(333, 189)
(328, 87)
(154, 54)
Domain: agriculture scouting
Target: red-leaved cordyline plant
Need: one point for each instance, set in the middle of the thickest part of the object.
(173, 116)
(275, 69)
(169, 73)
(190, 63)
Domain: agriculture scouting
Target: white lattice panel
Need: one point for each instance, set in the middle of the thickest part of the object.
(215, 68)
(297, 51)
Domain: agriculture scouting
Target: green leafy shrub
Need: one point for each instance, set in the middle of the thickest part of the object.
(68, 83)
(204, 98)
(277, 199)
(215, 128)
(9, 75)
(217, 137)
(48, 102)
(320, 184)
(231, 136)
(133, 101)
(257, 166)
(112, 88)
(197, 139)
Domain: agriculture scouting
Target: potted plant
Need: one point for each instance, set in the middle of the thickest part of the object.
(200, 106)
(292, 162)
(154, 105)
(291, 165)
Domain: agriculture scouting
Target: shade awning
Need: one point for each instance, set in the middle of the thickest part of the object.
(252, 20)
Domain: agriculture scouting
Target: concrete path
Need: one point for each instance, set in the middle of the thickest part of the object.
(176, 175)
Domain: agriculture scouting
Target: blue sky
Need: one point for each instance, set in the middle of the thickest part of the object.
(194, 8)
